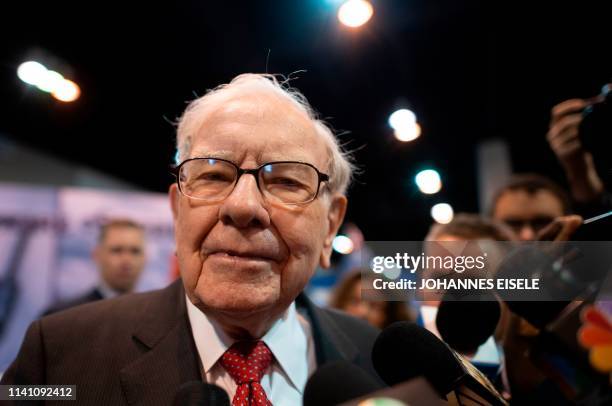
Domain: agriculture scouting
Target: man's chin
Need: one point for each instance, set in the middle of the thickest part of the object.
(237, 304)
(121, 288)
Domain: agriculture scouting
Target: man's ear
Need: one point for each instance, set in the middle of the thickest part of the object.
(173, 194)
(337, 210)
(95, 254)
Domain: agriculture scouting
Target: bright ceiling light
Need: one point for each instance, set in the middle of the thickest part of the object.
(31, 72)
(409, 133)
(355, 13)
(428, 181)
(442, 213)
(401, 119)
(50, 81)
(67, 91)
(343, 244)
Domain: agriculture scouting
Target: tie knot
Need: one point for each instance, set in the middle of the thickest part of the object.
(247, 361)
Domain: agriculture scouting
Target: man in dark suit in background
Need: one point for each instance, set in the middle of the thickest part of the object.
(120, 258)
(260, 195)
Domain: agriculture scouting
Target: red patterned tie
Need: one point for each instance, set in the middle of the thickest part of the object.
(246, 362)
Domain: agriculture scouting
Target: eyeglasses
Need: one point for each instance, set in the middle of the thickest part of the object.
(214, 179)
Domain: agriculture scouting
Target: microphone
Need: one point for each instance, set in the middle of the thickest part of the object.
(466, 334)
(338, 382)
(404, 351)
(198, 393)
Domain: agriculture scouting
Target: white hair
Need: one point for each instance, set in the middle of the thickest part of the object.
(340, 165)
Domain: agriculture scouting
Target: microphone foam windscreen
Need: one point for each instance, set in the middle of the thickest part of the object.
(404, 351)
(466, 325)
(337, 382)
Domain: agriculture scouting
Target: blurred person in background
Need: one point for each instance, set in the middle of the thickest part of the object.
(528, 203)
(464, 227)
(379, 313)
(536, 209)
(120, 258)
(468, 226)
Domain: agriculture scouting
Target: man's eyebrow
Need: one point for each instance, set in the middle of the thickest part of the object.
(222, 154)
(261, 159)
(289, 157)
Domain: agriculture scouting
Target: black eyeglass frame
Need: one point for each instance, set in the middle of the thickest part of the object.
(322, 177)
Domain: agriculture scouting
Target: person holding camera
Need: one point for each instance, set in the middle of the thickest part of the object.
(566, 137)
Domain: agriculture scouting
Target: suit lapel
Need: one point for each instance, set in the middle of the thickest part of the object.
(169, 356)
(331, 343)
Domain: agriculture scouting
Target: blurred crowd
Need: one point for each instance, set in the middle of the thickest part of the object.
(528, 207)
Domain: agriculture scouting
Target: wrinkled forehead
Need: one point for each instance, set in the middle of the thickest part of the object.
(259, 125)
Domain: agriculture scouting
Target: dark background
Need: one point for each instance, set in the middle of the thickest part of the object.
(470, 70)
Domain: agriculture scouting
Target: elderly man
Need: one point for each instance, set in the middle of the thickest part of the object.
(260, 195)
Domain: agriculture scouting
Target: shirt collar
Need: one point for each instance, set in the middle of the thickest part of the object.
(289, 343)
(106, 291)
(286, 339)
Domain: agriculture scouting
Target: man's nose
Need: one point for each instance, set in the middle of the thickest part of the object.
(527, 233)
(245, 207)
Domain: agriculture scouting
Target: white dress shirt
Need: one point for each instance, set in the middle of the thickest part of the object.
(289, 339)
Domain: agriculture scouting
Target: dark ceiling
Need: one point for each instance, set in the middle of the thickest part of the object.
(469, 69)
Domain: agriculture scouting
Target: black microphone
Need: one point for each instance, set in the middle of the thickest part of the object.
(338, 382)
(198, 393)
(404, 351)
(466, 324)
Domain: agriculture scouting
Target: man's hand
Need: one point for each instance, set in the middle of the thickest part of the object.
(561, 229)
(563, 137)
(563, 131)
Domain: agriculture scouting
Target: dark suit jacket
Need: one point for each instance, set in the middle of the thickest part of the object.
(138, 349)
(90, 296)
